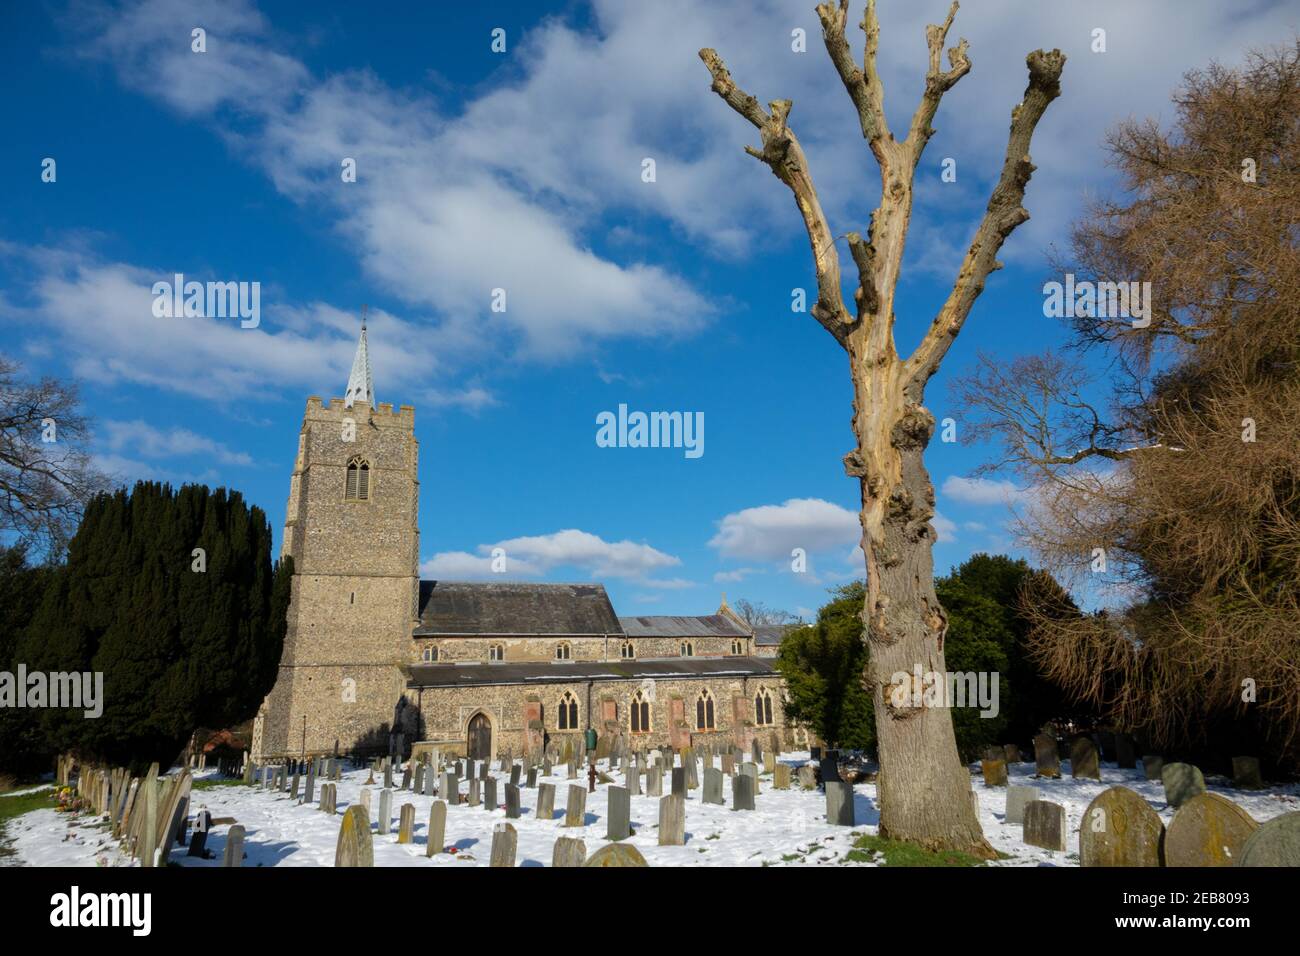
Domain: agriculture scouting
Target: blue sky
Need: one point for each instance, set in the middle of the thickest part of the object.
(522, 170)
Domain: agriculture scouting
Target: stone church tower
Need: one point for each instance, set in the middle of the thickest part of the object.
(352, 530)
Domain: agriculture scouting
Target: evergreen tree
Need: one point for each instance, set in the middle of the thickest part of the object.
(23, 748)
(172, 595)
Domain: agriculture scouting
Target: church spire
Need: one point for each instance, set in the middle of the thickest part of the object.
(361, 385)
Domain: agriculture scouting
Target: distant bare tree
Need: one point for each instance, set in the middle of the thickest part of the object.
(924, 788)
(759, 613)
(45, 470)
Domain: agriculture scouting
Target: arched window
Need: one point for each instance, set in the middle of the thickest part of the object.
(687, 649)
(497, 652)
(704, 711)
(763, 708)
(430, 653)
(358, 483)
(568, 712)
(640, 714)
(737, 647)
(627, 651)
(563, 651)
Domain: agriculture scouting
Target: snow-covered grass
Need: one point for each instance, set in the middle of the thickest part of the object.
(787, 828)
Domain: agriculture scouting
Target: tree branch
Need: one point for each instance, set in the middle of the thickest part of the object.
(937, 82)
(1004, 213)
(864, 88)
(782, 153)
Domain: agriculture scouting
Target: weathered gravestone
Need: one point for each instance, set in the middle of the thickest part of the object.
(632, 780)
(672, 821)
(356, 845)
(406, 824)
(504, 842)
(437, 828)
(994, 768)
(807, 775)
(575, 812)
(1182, 782)
(489, 793)
(418, 777)
(199, 839)
(1045, 825)
(1153, 766)
(1245, 773)
(1084, 761)
(385, 811)
(1047, 759)
(617, 854)
(728, 764)
(1275, 843)
(751, 770)
(742, 792)
(449, 788)
(839, 804)
(430, 777)
(569, 851)
(329, 799)
(654, 781)
(769, 762)
(679, 781)
(1125, 752)
(1017, 799)
(365, 802)
(1011, 753)
(1208, 830)
(1119, 828)
(713, 786)
(234, 852)
(830, 767)
(512, 801)
(531, 780)
(515, 771)
(546, 802)
(475, 791)
(309, 794)
(619, 823)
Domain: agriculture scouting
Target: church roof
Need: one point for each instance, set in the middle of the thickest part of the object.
(560, 672)
(483, 608)
(771, 635)
(706, 625)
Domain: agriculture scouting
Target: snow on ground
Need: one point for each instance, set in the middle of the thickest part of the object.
(780, 832)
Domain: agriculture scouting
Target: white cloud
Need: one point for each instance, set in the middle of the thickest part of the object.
(735, 574)
(144, 439)
(539, 554)
(982, 491)
(944, 528)
(771, 532)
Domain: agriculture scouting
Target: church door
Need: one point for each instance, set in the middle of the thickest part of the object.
(480, 738)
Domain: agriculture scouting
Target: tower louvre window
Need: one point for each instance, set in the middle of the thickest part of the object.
(358, 480)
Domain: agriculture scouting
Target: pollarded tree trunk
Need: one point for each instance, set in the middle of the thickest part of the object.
(924, 791)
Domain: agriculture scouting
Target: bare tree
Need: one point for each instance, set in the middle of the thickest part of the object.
(1176, 484)
(924, 789)
(45, 470)
(755, 613)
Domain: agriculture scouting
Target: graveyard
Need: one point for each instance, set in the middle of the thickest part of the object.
(707, 810)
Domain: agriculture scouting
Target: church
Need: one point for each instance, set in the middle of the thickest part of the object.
(376, 660)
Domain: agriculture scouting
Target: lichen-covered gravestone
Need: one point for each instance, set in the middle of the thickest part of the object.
(1275, 843)
(1046, 758)
(617, 854)
(1119, 828)
(1208, 830)
(546, 802)
(575, 812)
(437, 828)
(356, 845)
(569, 851)
(994, 768)
(1045, 825)
(504, 842)
(1083, 759)
(1182, 782)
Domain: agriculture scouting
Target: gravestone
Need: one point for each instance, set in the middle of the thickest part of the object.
(515, 771)
(619, 823)
(617, 854)
(449, 788)
(1153, 766)
(807, 775)
(742, 792)
(769, 762)
(406, 824)
(469, 768)
(234, 852)
(199, 839)
(632, 780)
(1119, 828)
(437, 828)
(751, 770)
(490, 793)
(1045, 825)
(569, 851)
(713, 786)
(1011, 754)
(388, 774)
(1208, 830)
(309, 794)
(1275, 843)
(1046, 758)
(460, 769)
(418, 777)
(365, 802)
(781, 777)
(483, 769)
(728, 764)
(430, 775)
(531, 780)
(839, 804)
(672, 821)
(1106, 744)
(654, 782)
(575, 811)
(1245, 773)
(385, 818)
(1017, 799)
(679, 781)
(546, 802)
(815, 753)
(830, 767)
(994, 768)
(512, 801)
(504, 842)
(356, 845)
(475, 791)
(1125, 752)
(692, 771)
(1083, 759)
(329, 798)
(757, 752)
(1182, 782)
